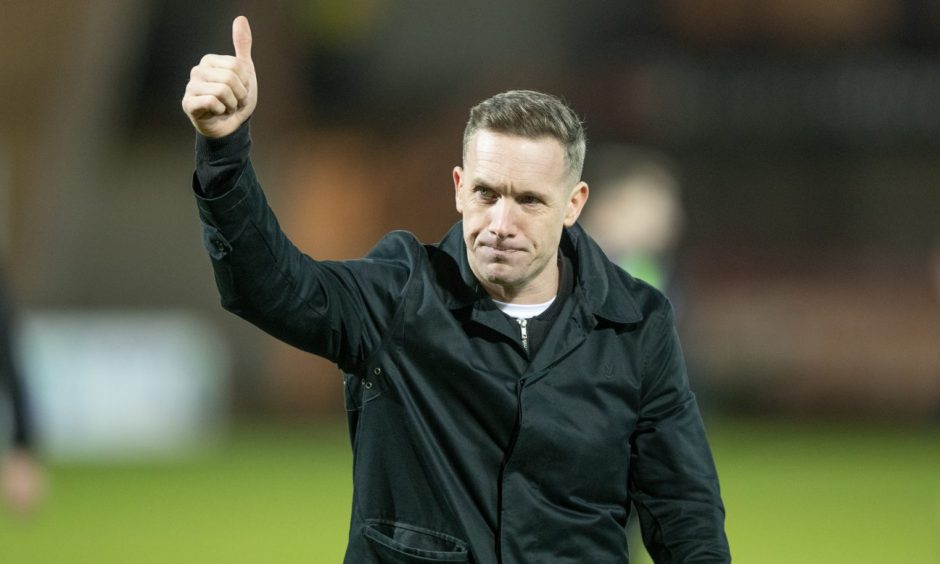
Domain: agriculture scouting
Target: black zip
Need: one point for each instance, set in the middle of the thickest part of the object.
(502, 470)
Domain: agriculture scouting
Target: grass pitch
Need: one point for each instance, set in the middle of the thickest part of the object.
(795, 492)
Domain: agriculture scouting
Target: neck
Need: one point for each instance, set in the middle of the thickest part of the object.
(539, 290)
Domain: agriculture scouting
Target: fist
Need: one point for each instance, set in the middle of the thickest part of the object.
(223, 90)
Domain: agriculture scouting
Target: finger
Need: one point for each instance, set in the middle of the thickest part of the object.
(223, 76)
(217, 89)
(200, 106)
(241, 38)
(227, 62)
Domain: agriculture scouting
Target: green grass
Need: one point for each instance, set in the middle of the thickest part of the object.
(830, 493)
(274, 494)
(795, 493)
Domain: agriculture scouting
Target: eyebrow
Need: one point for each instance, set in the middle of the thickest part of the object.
(482, 183)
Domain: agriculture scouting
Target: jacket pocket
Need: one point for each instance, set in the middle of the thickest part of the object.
(406, 544)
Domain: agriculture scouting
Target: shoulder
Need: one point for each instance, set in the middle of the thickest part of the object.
(618, 296)
(401, 255)
(404, 248)
(397, 246)
(404, 261)
(650, 302)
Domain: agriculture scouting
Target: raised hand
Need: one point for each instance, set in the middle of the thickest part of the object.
(223, 90)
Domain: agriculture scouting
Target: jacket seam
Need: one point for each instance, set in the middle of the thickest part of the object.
(388, 333)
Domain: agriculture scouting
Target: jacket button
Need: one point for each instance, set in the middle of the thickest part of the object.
(376, 370)
(218, 245)
(367, 384)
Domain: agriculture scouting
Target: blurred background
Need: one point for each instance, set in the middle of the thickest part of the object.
(799, 143)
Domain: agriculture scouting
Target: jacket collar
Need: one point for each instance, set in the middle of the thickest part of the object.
(599, 284)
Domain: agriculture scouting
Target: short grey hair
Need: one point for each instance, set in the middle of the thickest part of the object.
(531, 114)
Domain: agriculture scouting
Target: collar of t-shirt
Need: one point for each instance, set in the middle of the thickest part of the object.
(523, 311)
(540, 316)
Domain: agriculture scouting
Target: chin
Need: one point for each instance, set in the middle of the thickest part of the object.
(499, 274)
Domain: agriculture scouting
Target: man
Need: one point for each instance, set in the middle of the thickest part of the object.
(636, 215)
(509, 390)
(21, 476)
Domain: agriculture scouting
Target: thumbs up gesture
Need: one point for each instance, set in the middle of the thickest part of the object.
(223, 90)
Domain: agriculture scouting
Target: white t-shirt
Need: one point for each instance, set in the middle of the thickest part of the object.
(523, 311)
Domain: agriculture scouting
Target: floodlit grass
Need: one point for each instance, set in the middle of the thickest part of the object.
(277, 494)
(830, 494)
(795, 492)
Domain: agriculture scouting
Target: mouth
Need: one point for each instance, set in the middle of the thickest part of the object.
(500, 248)
(499, 253)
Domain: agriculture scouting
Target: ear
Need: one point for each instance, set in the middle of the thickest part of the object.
(458, 173)
(579, 196)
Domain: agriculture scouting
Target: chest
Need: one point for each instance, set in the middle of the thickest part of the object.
(565, 414)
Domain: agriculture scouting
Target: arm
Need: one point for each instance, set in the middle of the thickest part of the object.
(11, 385)
(673, 481)
(21, 475)
(336, 309)
(339, 310)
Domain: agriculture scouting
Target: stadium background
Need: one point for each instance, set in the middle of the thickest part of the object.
(807, 136)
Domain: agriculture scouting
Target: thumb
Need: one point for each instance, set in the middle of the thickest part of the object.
(241, 38)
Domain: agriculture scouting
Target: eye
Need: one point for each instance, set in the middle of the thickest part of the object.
(529, 200)
(484, 193)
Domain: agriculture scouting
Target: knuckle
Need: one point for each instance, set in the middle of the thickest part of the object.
(220, 90)
(224, 76)
(235, 82)
(211, 60)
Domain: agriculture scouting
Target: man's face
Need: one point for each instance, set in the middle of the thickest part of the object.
(515, 195)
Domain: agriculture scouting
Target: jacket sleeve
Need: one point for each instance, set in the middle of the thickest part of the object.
(336, 309)
(673, 481)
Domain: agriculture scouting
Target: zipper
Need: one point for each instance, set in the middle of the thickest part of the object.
(524, 325)
(502, 468)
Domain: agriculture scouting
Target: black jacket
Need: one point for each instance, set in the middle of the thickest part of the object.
(463, 449)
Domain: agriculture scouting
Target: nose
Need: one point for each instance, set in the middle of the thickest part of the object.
(502, 219)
